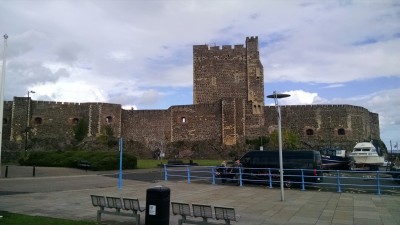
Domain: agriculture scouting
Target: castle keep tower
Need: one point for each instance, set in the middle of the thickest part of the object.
(228, 73)
(234, 77)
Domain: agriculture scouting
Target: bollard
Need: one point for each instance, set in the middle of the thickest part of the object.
(34, 171)
(6, 174)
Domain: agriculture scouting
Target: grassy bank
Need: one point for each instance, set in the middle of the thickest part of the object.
(18, 219)
(152, 163)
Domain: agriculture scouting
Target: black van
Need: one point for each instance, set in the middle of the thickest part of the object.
(298, 166)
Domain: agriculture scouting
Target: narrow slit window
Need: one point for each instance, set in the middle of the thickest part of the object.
(75, 120)
(108, 119)
(38, 120)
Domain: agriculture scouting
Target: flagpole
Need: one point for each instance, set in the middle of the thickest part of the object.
(3, 75)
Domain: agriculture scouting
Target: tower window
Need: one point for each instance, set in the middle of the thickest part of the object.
(108, 119)
(38, 120)
(309, 132)
(75, 120)
(341, 131)
(183, 120)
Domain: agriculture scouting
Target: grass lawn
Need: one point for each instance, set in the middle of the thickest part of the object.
(19, 219)
(153, 163)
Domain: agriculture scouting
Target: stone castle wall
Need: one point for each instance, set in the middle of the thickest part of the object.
(56, 120)
(326, 125)
(228, 108)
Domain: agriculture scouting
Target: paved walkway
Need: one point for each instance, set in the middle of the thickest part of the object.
(64, 193)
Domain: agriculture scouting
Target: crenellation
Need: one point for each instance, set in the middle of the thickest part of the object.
(238, 47)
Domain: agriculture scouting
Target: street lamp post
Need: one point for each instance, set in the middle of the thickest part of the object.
(3, 75)
(27, 121)
(276, 96)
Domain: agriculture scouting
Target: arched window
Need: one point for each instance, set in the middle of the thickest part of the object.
(5, 121)
(183, 120)
(310, 132)
(108, 119)
(341, 131)
(38, 120)
(75, 120)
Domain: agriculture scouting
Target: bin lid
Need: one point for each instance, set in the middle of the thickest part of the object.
(159, 189)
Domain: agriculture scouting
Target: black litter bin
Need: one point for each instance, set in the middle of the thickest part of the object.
(157, 205)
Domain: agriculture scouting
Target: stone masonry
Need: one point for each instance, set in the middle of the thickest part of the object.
(228, 108)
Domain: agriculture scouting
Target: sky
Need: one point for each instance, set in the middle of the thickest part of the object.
(139, 53)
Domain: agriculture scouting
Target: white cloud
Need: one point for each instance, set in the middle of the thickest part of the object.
(300, 97)
(132, 52)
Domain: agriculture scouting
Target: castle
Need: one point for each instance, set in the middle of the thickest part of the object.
(228, 108)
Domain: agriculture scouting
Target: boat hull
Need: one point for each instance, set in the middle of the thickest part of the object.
(375, 160)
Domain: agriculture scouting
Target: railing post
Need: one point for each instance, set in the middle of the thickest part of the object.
(378, 180)
(338, 180)
(240, 176)
(213, 175)
(6, 174)
(188, 173)
(270, 178)
(302, 180)
(165, 172)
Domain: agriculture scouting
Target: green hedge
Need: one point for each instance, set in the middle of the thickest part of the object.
(98, 160)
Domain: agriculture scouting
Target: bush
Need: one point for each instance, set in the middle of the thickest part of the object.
(98, 160)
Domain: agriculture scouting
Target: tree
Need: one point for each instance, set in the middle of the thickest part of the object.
(290, 140)
(81, 130)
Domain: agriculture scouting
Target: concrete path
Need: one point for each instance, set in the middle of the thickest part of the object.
(65, 193)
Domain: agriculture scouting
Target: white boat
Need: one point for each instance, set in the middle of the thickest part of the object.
(365, 154)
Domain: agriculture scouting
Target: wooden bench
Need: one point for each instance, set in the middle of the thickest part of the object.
(83, 165)
(128, 204)
(203, 211)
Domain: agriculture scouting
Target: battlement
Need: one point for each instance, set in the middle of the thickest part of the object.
(195, 107)
(252, 38)
(320, 106)
(73, 103)
(218, 48)
(251, 43)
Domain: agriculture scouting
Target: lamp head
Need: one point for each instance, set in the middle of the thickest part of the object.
(278, 95)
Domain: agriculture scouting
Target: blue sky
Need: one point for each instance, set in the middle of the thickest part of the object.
(139, 53)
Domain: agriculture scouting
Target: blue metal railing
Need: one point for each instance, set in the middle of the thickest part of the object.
(334, 180)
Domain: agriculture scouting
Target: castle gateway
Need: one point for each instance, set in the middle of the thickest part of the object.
(228, 108)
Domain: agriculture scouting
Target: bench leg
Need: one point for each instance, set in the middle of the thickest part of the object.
(227, 222)
(138, 219)
(98, 216)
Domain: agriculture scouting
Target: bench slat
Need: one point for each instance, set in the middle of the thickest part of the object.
(179, 208)
(225, 213)
(204, 211)
(114, 202)
(132, 204)
(98, 201)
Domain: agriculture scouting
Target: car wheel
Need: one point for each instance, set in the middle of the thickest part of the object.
(396, 178)
(288, 184)
(352, 165)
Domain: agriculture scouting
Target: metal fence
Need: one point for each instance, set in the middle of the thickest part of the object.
(379, 182)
